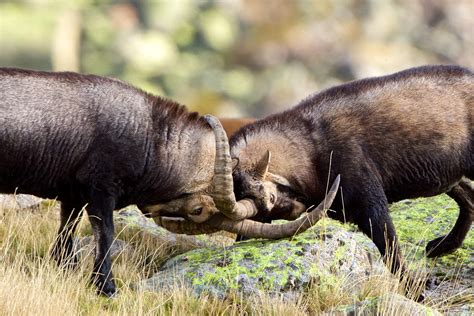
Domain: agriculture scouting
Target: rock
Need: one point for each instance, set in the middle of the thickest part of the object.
(276, 267)
(130, 218)
(22, 201)
(418, 221)
(84, 246)
(327, 254)
(388, 304)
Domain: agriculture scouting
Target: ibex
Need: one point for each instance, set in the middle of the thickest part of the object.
(95, 141)
(406, 135)
(402, 136)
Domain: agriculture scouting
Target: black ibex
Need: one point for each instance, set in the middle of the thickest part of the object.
(85, 139)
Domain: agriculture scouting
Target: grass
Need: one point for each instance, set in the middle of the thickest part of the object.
(32, 284)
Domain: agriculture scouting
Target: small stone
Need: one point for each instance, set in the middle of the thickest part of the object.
(21, 201)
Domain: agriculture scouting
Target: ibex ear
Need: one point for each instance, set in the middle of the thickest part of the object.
(278, 179)
(261, 168)
(235, 163)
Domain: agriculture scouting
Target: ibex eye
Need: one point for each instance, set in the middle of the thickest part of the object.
(272, 198)
(196, 211)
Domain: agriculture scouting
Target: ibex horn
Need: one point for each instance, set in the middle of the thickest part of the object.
(254, 229)
(223, 194)
(261, 168)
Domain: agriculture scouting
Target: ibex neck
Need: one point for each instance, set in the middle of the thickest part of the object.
(291, 154)
(184, 150)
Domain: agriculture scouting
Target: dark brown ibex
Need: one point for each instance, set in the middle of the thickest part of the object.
(406, 135)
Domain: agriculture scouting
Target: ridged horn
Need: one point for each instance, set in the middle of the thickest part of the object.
(223, 194)
(254, 229)
(251, 228)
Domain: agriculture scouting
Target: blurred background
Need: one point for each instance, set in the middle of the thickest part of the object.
(235, 58)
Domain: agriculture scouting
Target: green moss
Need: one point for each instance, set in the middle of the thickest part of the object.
(340, 253)
(267, 263)
(417, 222)
(264, 265)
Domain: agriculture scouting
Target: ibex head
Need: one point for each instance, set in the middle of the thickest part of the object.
(217, 207)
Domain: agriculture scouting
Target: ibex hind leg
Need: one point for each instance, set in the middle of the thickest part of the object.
(463, 194)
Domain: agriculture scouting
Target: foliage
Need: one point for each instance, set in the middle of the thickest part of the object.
(238, 57)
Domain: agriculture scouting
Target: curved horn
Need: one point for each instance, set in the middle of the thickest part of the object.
(181, 226)
(254, 229)
(251, 228)
(223, 194)
(261, 168)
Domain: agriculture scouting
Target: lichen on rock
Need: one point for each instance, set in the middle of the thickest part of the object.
(420, 220)
(272, 266)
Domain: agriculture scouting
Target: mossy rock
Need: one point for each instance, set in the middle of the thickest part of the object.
(328, 253)
(420, 220)
(323, 256)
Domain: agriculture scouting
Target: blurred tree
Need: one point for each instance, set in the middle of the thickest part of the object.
(65, 54)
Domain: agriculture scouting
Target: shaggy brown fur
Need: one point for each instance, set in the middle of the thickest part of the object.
(406, 135)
